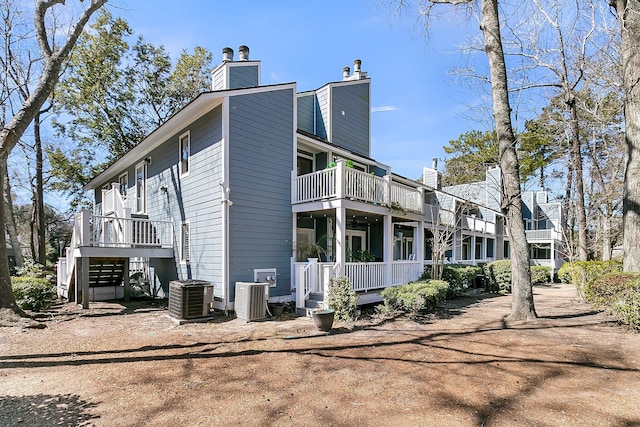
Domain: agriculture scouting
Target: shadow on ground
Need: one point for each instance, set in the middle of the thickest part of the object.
(44, 410)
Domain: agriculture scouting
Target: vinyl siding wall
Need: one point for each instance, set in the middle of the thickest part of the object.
(261, 144)
(243, 76)
(195, 198)
(350, 112)
(306, 112)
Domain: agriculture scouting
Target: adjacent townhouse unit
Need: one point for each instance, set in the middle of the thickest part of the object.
(251, 178)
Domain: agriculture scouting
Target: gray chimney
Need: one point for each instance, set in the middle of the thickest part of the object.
(434, 164)
(356, 66)
(227, 54)
(243, 52)
(345, 73)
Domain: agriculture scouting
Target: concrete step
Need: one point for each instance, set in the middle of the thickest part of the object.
(316, 296)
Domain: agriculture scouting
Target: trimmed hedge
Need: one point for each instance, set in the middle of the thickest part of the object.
(540, 274)
(583, 273)
(498, 275)
(618, 294)
(32, 293)
(415, 297)
(460, 277)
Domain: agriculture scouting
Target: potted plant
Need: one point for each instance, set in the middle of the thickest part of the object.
(276, 308)
(323, 318)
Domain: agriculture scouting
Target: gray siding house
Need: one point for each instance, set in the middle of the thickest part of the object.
(252, 177)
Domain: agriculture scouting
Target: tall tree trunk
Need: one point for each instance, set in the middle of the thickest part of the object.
(11, 133)
(576, 160)
(522, 307)
(606, 236)
(628, 12)
(7, 299)
(12, 230)
(40, 253)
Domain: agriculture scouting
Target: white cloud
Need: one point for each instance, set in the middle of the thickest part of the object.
(384, 108)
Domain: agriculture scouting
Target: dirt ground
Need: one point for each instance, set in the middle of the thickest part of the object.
(116, 365)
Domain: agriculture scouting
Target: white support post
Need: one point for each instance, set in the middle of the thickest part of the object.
(473, 249)
(418, 244)
(387, 227)
(340, 179)
(341, 235)
(387, 193)
(85, 282)
(85, 231)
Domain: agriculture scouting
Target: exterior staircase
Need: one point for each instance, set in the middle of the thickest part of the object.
(314, 301)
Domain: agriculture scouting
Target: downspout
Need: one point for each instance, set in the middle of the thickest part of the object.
(225, 244)
(225, 203)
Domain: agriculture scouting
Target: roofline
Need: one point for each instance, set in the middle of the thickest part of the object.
(198, 107)
(337, 82)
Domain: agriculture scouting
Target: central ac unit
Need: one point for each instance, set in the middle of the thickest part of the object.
(190, 299)
(251, 300)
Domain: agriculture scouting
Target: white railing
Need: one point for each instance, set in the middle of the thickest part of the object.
(406, 197)
(405, 271)
(343, 182)
(549, 234)
(109, 231)
(314, 186)
(478, 224)
(366, 275)
(310, 277)
(365, 186)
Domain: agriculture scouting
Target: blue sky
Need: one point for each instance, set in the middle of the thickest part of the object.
(417, 107)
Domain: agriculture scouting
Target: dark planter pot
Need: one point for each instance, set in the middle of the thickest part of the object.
(276, 309)
(323, 319)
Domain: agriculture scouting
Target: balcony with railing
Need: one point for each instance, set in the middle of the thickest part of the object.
(543, 235)
(470, 222)
(341, 182)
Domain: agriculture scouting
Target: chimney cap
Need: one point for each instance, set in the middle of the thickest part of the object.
(243, 52)
(227, 54)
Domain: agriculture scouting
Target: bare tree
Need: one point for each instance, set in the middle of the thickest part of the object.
(522, 307)
(628, 12)
(53, 57)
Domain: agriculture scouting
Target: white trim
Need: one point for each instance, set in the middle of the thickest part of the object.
(186, 134)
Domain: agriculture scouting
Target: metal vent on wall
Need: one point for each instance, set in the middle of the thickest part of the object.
(251, 300)
(190, 299)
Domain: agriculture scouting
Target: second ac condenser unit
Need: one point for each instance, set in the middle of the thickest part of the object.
(251, 300)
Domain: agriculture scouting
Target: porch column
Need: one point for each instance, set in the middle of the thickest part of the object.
(387, 248)
(341, 236)
(473, 249)
(418, 243)
(553, 258)
(85, 281)
(484, 248)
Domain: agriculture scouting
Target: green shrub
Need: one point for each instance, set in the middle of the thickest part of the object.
(460, 277)
(582, 273)
(415, 297)
(498, 276)
(32, 293)
(540, 274)
(342, 298)
(619, 294)
(30, 268)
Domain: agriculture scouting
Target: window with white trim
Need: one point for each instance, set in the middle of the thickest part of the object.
(123, 184)
(185, 242)
(185, 153)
